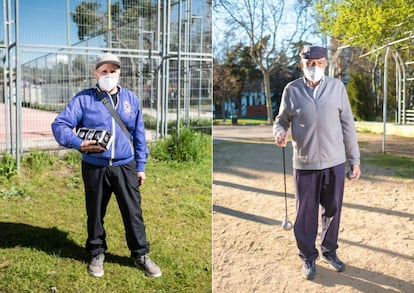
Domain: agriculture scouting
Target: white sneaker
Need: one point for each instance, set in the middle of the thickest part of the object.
(145, 264)
(95, 267)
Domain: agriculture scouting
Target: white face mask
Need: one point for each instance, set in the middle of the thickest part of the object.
(108, 82)
(314, 73)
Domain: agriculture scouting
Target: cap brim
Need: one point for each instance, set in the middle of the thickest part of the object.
(112, 62)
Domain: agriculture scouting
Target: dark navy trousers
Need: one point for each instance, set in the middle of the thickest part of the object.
(100, 182)
(314, 189)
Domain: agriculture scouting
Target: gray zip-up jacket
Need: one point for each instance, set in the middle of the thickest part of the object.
(323, 129)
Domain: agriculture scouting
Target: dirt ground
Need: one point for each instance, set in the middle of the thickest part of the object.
(252, 253)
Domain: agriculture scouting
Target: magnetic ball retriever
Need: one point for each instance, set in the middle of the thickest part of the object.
(286, 224)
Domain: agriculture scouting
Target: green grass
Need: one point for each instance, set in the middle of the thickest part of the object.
(401, 166)
(364, 130)
(241, 121)
(43, 230)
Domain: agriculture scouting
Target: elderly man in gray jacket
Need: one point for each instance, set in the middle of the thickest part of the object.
(317, 110)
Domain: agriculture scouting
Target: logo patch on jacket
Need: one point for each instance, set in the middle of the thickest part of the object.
(127, 108)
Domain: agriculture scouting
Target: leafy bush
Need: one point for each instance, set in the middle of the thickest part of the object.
(201, 124)
(361, 97)
(186, 146)
(72, 157)
(38, 160)
(8, 167)
(13, 192)
(150, 122)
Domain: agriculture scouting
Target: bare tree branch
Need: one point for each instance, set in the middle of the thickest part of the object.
(262, 22)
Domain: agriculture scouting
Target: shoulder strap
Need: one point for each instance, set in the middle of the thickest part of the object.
(114, 114)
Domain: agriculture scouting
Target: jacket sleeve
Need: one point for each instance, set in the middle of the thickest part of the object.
(282, 120)
(139, 141)
(64, 124)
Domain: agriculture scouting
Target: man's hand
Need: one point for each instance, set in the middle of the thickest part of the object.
(141, 178)
(281, 139)
(354, 173)
(90, 146)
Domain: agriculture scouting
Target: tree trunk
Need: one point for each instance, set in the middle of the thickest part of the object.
(223, 110)
(269, 110)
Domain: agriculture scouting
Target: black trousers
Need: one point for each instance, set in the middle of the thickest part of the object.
(100, 182)
(314, 188)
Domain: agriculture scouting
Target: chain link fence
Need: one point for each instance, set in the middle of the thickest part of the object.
(48, 49)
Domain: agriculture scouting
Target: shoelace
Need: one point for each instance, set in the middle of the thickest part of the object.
(145, 260)
(97, 260)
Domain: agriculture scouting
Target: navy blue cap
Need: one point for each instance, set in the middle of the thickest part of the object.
(313, 52)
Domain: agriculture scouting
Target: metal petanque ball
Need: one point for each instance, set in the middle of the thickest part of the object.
(287, 225)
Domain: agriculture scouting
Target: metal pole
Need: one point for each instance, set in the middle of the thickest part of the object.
(10, 46)
(397, 88)
(109, 24)
(179, 68)
(188, 71)
(402, 101)
(199, 90)
(4, 59)
(67, 23)
(19, 149)
(70, 87)
(384, 106)
(166, 67)
(158, 64)
(201, 75)
(162, 32)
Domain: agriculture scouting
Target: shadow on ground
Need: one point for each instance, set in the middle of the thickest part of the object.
(50, 240)
(360, 280)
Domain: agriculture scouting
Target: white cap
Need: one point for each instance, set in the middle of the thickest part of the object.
(107, 58)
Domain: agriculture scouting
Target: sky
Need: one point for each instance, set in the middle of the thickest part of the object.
(286, 28)
(44, 21)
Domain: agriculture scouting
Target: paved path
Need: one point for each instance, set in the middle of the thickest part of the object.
(242, 132)
(36, 131)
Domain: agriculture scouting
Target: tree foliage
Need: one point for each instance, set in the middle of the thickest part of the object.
(91, 21)
(361, 97)
(368, 27)
(234, 76)
(225, 86)
(237, 73)
(87, 19)
(366, 23)
(122, 25)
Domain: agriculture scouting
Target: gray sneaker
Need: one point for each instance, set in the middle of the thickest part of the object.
(308, 269)
(95, 267)
(145, 264)
(335, 262)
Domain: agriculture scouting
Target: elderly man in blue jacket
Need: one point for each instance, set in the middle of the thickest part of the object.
(317, 110)
(117, 167)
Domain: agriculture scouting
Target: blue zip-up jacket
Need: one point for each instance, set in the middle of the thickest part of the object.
(87, 110)
(323, 130)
